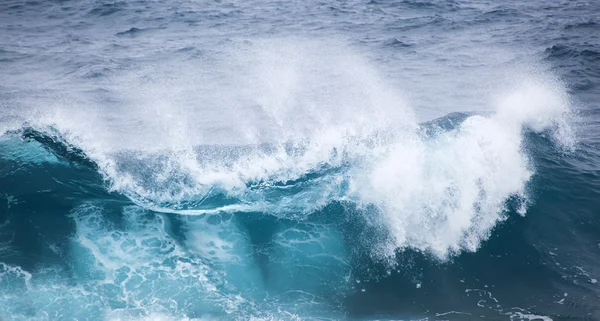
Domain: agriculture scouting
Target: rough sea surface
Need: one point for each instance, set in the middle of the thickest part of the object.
(299, 160)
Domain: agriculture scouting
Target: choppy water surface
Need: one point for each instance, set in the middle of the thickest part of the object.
(181, 160)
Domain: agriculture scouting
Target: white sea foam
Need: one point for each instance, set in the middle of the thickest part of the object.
(275, 111)
(445, 194)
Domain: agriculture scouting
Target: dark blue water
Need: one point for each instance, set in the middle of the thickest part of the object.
(265, 160)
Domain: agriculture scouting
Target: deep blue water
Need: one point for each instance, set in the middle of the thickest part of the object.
(283, 160)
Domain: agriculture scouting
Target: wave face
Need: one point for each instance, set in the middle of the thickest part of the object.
(244, 173)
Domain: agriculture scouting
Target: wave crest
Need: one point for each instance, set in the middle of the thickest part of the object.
(337, 136)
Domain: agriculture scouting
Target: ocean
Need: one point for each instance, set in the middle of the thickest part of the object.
(299, 160)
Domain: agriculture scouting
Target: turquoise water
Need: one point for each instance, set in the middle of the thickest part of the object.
(290, 161)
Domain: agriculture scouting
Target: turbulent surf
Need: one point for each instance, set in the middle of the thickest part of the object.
(352, 160)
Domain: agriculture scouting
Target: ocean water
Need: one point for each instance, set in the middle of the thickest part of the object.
(289, 160)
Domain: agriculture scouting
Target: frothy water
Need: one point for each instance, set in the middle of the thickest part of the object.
(229, 179)
(320, 128)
